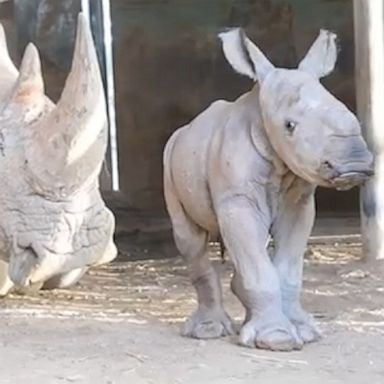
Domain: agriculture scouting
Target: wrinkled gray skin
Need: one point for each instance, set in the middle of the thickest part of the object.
(53, 221)
(248, 169)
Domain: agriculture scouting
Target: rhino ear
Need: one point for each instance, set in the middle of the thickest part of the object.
(29, 86)
(321, 58)
(244, 56)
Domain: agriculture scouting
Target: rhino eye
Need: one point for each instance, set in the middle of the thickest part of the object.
(290, 126)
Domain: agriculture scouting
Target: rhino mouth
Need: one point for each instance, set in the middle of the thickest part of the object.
(350, 179)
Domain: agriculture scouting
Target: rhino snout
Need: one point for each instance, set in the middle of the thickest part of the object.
(347, 175)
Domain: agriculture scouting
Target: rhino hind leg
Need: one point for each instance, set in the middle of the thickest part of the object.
(210, 319)
(65, 280)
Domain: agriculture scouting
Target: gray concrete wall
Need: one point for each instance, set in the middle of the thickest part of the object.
(169, 67)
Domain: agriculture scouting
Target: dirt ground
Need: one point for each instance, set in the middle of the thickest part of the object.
(121, 325)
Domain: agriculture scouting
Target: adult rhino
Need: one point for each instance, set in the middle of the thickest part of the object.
(248, 169)
(53, 221)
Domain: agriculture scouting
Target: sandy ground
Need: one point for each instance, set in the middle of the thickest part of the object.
(121, 325)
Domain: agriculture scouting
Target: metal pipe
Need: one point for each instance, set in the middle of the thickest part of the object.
(110, 85)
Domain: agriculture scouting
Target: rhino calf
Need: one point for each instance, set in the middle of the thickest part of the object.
(247, 170)
(53, 221)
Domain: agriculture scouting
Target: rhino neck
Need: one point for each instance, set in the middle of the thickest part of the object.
(258, 133)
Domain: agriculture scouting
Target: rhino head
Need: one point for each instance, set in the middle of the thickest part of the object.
(52, 217)
(314, 134)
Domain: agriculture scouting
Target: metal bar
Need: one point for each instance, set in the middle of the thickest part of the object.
(110, 85)
(369, 63)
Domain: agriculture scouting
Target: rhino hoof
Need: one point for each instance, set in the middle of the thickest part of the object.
(274, 338)
(308, 332)
(304, 324)
(208, 324)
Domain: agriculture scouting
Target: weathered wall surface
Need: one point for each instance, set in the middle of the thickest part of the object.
(169, 67)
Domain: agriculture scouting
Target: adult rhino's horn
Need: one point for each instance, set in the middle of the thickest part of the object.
(83, 93)
(5, 60)
(74, 133)
(8, 71)
(81, 111)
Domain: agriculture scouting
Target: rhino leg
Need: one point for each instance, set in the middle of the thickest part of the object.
(210, 319)
(291, 232)
(256, 282)
(66, 279)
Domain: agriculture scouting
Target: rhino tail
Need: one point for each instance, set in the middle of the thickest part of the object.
(168, 149)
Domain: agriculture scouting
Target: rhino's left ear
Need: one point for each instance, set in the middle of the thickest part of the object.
(29, 85)
(321, 58)
(27, 99)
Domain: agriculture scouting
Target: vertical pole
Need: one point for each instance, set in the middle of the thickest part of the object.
(108, 77)
(110, 85)
(369, 70)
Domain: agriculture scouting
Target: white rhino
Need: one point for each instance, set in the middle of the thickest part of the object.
(246, 170)
(53, 221)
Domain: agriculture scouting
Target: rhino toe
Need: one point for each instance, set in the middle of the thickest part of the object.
(208, 324)
(277, 336)
(309, 333)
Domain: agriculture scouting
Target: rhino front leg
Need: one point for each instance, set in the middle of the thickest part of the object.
(245, 231)
(291, 232)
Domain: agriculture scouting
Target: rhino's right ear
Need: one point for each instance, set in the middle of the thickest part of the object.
(321, 58)
(244, 56)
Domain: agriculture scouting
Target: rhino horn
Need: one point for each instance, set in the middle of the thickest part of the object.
(74, 133)
(8, 72)
(83, 94)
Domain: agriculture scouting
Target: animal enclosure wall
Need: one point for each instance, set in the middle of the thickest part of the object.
(169, 66)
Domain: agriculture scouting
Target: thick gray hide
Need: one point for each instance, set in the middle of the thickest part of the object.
(247, 170)
(53, 221)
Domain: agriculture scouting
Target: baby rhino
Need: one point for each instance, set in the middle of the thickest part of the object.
(247, 170)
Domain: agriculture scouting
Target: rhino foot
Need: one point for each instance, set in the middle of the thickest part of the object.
(309, 333)
(274, 336)
(305, 326)
(208, 324)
